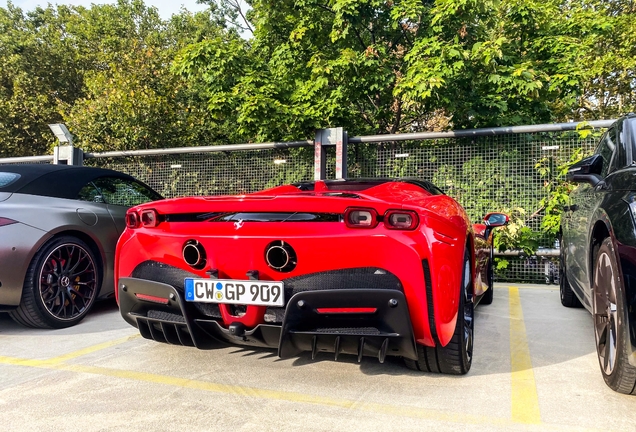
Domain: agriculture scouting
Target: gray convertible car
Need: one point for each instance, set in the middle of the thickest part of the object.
(58, 229)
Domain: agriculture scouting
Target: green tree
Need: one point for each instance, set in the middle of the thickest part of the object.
(37, 74)
(105, 71)
(132, 100)
(378, 66)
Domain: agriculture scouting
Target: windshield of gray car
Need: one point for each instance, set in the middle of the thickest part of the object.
(7, 178)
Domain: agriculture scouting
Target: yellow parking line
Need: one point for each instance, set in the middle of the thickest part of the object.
(253, 392)
(525, 403)
(92, 349)
(63, 358)
(525, 400)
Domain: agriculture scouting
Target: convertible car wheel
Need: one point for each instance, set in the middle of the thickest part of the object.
(61, 285)
(456, 357)
(610, 327)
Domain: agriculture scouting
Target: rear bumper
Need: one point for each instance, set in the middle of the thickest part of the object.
(387, 331)
(432, 297)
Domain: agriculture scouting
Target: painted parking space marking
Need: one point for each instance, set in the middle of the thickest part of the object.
(253, 392)
(63, 358)
(525, 400)
(93, 349)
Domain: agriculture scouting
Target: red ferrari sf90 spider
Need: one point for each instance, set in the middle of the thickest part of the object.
(369, 267)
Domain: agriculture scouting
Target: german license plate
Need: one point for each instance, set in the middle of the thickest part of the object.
(230, 291)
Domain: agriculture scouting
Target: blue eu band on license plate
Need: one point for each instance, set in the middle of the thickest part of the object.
(230, 291)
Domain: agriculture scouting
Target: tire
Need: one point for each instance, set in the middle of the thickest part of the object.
(61, 285)
(611, 329)
(456, 357)
(488, 296)
(568, 297)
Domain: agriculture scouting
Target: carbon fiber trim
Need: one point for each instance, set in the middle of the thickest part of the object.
(164, 273)
(254, 217)
(387, 331)
(353, 278)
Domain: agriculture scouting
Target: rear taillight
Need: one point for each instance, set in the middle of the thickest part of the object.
(361, 218)
(401, 220)
(152, 299)
(6, 221)
(144, 218)
(149, 218)
(132, 220)
(360, 310)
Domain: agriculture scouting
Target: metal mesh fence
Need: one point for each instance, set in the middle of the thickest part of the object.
(215, 173)
(26, 162)
(506, 173)
(484, 173)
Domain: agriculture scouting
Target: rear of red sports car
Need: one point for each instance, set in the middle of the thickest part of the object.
(362, 267)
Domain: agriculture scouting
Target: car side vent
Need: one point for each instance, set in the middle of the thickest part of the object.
(428, 283)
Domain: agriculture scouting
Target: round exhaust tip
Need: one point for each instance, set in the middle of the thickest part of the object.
(194, 254)
(280, 256)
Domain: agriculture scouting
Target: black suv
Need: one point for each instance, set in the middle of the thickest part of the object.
(598, 250)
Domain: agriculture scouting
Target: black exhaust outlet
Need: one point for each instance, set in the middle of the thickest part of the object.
(194, 254)
(280, 256)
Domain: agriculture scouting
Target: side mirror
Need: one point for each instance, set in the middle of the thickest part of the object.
(587, 170)
(494, 220)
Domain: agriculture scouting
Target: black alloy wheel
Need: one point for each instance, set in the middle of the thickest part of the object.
(456, 357)
(61, 285)
(610, 322)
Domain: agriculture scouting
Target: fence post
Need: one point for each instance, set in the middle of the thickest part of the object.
(341, 153)
(320, 156)
(68, 155)
(330, 137)
(65, 153)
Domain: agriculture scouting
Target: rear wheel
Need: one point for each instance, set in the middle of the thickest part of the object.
(61, 285)
(611, 329)
(568, 298)
(456, 357)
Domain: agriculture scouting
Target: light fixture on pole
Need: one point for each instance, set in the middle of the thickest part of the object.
(65, 154)
(61, 133)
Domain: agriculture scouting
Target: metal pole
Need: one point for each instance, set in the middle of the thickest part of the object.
(201, 149)
(341, 153)
(320, 157)
(552, 127)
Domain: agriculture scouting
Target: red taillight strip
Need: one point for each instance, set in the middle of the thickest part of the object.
(362, 310)
(132, 219)
(415, 220)
(149, 218)
(372, 212)
(152, 299)
(7, 221)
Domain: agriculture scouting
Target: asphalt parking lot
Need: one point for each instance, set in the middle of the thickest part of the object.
(534, 368)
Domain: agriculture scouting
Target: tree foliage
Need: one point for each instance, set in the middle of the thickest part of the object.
(122, 78)
(105, 72)
(382, 66)
(34, 78)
